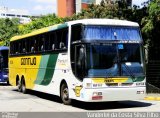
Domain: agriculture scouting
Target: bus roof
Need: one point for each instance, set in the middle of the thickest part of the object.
(111, 22)
(4, 48)
(39, 31)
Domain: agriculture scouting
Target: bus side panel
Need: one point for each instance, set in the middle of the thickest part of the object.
(25, 68)
(13, 70)
(46, 73)
(32, 70)
(61, 71)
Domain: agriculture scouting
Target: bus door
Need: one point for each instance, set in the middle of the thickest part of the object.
(79, 59)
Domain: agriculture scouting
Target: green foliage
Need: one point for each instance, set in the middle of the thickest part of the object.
(104, 10)
(111, 10)
(151, 28)
(8, 28)
(37, 23)
(150, 22)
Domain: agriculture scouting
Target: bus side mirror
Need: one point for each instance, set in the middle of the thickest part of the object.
(146, 54)
(81, 63)
(81, 57)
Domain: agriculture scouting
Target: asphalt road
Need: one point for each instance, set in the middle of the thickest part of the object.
(13, 101)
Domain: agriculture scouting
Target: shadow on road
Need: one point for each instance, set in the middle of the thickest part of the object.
(109, 105)
(91, 106)
(43, 95)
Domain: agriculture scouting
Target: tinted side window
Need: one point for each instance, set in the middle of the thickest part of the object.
(40, 43)
(11, 48)
(76, 33)
(64, 39)
(75, 36)
(53, 41)
(32, 45)
(16, 47)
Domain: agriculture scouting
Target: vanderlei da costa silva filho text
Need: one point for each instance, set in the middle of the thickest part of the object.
(123, 114)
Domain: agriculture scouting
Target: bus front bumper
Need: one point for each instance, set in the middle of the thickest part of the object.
(112, 94)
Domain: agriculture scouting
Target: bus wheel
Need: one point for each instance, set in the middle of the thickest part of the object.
(19, 86)
(65, 94)
(23, 87)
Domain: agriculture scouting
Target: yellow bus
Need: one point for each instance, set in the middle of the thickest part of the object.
(91, 60)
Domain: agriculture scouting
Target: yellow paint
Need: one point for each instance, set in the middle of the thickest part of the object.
(152, 98)
(77, 90)
(158, 98)
(109, 80)
(28, 71)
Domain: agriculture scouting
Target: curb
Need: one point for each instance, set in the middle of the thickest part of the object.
(152, 98)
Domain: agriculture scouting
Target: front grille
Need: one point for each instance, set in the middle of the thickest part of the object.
(112, 84)
(119, 84)
(126, 84)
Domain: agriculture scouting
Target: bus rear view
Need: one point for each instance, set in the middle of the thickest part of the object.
(109, 61)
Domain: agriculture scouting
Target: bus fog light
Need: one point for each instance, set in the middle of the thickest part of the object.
(97, 96)
(97, 93)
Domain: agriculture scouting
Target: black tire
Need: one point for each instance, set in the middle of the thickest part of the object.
(23, 87)
(65, 94)
(19, 86)
(8, 83)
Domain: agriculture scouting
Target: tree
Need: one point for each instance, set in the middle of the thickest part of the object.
(103, 10)
(151, 29)
(37, 23)
(8, 28)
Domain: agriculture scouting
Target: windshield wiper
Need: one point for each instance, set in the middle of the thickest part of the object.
(130, 72)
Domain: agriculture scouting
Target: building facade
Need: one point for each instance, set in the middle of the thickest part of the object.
(5, 12)
(66, 7)
(69, 7)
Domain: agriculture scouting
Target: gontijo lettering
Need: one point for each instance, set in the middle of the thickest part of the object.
(28, 61)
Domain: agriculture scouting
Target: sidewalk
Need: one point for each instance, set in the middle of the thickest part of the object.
(154, 97)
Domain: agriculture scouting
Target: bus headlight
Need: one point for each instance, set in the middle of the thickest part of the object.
(140, 84)
(88, 85)
(97, 96)
(97, 85)
(97, 93)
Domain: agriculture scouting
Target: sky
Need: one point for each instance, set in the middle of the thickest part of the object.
(39, 7)
(33, 7)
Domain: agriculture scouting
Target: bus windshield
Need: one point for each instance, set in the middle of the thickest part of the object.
(3, 59)
(108, 60)
(92, 32)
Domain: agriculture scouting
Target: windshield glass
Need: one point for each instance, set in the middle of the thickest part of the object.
(107, 60)
(130, 59)
(92, 32)
(4, 59)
